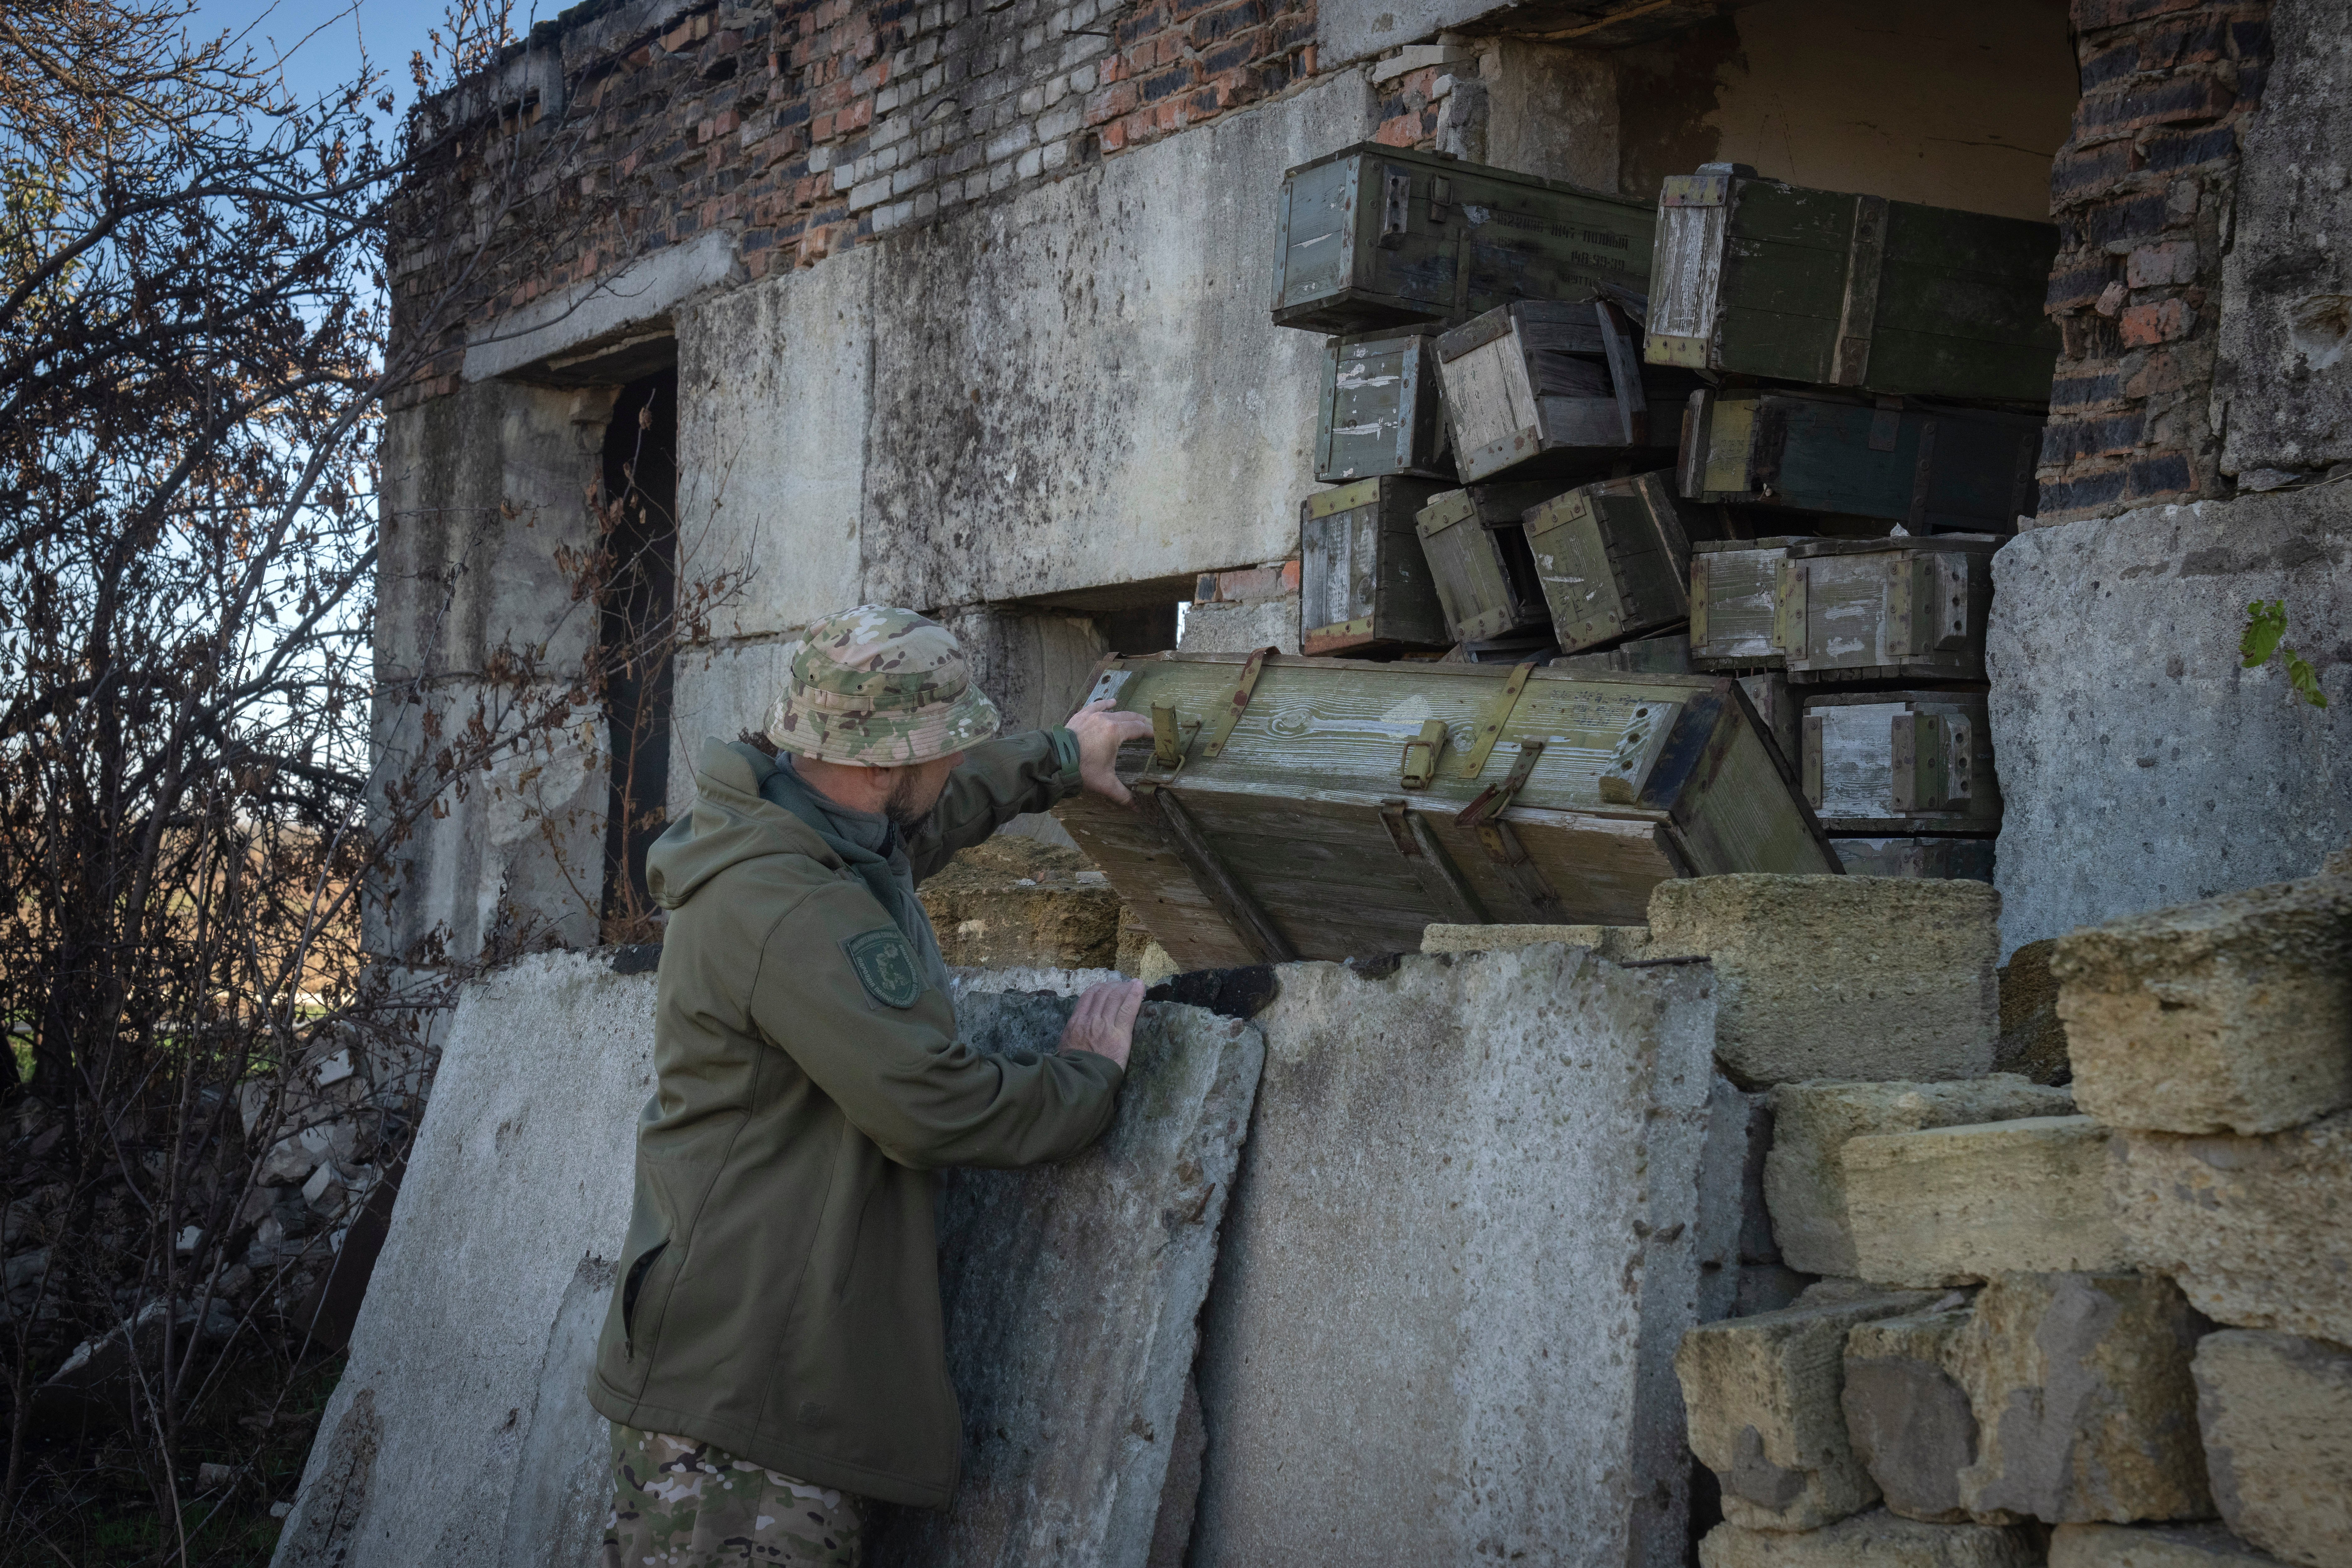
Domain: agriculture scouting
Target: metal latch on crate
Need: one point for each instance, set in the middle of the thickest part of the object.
(1235, 706)
(1420, 754)
(1931, 757)
(1491, 723)
(1167, 738)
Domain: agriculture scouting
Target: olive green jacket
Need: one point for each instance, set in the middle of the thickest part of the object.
(778, 1289)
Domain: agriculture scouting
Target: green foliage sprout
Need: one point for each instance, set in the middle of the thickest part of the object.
(2265, 630)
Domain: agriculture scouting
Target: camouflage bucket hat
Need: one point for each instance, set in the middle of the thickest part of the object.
(876, 687)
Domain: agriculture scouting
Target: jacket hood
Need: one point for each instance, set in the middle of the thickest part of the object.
(729, 824)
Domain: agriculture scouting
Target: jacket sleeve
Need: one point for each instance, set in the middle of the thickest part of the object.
(901, 1074)
(998, 780)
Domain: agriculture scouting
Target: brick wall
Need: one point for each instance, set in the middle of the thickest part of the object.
(2142, 194)
(816, 125)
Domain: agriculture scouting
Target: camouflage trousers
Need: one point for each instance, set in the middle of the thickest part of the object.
(678, 1503)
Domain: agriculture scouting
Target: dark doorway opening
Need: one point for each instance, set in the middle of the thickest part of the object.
(637, 634)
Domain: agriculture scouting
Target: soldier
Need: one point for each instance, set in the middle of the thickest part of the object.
(773, 1358)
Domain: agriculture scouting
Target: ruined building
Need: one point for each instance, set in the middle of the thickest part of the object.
(1784, 1230)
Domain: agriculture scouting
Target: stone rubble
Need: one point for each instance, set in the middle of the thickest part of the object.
(1804, 1175)
(2151, 1546)
(2233, 1015)
(1874, 1539)
(1908, 1420)
(2257, 1230)
(1763, 1398)
(2084, 1405)
(1954, 1206)
(2275, 1413)
(2033, 1035)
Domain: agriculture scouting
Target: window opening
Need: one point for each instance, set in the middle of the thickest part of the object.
(635, 637)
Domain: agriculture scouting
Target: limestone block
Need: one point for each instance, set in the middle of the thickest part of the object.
(1872, 1540)
(1010, 901)
(1462, 1251)
(2033, 1035)
(2276, 1415)
(2151, 1546)
(1804, 1179)
(1085, 1276)
(1763, 1398)
(1853, 977)
(1956, 1205)
(2084, 1405)
(2233, 1015)
(1140, 956)
(2257, 1230)
(1615, 943)
(1908, 1420)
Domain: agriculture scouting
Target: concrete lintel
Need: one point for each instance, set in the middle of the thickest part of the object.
(625, 305)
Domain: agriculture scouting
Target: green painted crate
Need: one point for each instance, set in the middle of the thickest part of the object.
(1761, 278)
(1363, 583)
(1556, 388)
(1933, 469)
(1900, 763)
(1614, 557)
(1380, 412)
(1477, 552)
(1885, 609)
(1300, 836)
(1376, 236)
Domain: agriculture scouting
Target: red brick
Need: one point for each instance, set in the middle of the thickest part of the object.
(2092, 15)
(2143, 325)
(1401, 132)
(1113, 137)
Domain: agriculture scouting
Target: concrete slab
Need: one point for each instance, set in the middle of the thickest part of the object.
(1072, 1295)
(2140, 766)
(1463, 1248)
(1874, 1539)
(638, 296)
(460, 1435)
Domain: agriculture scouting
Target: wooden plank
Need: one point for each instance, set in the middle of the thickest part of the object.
(1216, 879)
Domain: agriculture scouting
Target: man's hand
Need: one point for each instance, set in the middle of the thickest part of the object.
(1104, 1021)
(1100, 730)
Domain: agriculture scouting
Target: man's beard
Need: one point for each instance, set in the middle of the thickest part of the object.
(902, 809)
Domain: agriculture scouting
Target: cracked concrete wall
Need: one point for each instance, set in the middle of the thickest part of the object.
(2141, 765)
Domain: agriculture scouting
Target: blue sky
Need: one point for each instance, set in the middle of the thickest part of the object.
(320, 39)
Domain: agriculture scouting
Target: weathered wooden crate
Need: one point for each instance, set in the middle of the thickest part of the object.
(1330, 808)
(1735, 585)
(1885, 609)
(1762, 278)
(1953, 859)
(1769, 691)
(1477, 552)
(1932, 468)
(1382, 412)
(1613, 557)
(1374, 236)
(1363, 583)
(1556, 388)
(1900, 763)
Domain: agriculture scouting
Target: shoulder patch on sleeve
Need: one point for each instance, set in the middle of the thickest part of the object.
(885, 965)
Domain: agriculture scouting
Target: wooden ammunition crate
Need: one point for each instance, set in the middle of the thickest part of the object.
(1767, 691)
(1556, 388)
(1375, 236)
(1362, 581)
(1900, 763)
(1762, 278)
(1885, 609)
(1332, 817)
(1614, 557)
(1381, 411)
(1956, 860)
(1735, 587)
(1477, 552)
(1932, 468)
